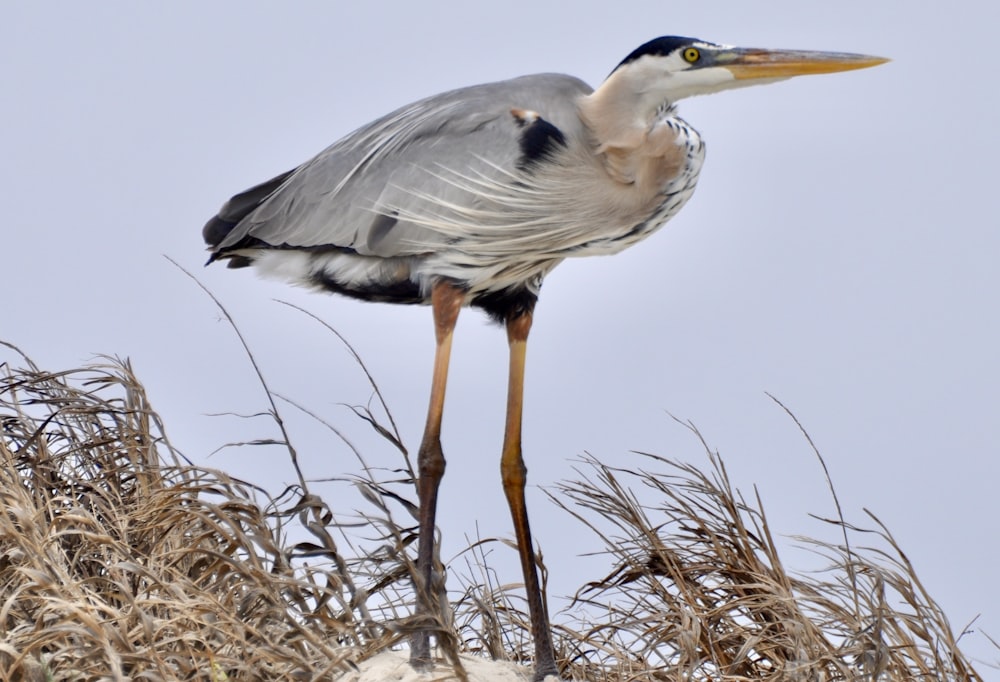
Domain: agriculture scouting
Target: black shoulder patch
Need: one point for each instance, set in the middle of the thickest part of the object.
(539, 138)
(658, 47)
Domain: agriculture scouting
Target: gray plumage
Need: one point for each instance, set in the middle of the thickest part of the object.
(447, 187)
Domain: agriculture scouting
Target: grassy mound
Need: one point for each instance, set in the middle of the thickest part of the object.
(120, 560)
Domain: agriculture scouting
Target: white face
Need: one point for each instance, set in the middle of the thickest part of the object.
(685, 72)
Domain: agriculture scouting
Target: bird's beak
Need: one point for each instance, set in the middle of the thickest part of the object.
(747, 63)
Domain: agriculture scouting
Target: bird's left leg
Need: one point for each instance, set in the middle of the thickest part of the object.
(514, 473)
(446, 302)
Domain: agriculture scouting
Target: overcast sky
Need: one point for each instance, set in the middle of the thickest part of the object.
(841, 253)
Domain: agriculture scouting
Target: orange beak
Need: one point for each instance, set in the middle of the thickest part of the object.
(747, 63)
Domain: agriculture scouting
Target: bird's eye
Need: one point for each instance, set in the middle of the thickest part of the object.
(691, 55)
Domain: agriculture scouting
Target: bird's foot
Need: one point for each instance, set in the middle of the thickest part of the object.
(420, 652)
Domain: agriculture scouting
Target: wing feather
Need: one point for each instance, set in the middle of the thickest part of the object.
(356, 194)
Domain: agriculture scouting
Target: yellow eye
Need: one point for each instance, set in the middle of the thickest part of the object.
(691, 55)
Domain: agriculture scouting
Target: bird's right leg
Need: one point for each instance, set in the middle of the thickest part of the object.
(513, 472)
(446, 301)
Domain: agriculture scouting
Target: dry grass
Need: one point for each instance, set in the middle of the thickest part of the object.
(119, 560)
(699, 592)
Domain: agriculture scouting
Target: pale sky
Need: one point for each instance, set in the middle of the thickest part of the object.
(841, 253)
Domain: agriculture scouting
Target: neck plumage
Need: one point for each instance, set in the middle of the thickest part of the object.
(624, 119)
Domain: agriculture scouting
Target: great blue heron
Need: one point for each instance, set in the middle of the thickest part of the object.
(471, 197)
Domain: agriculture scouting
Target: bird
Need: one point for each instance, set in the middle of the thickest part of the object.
(471, 197)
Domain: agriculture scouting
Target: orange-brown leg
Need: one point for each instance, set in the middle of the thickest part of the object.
(446, 301)
(513, 471)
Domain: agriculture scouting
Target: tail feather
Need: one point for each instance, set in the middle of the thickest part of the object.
(232, 212)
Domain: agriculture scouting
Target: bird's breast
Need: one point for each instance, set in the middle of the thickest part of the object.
(672, 173)
(648, 183)
(507, 230)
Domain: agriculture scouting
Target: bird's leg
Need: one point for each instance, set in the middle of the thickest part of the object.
(446, 301)
(513, 472)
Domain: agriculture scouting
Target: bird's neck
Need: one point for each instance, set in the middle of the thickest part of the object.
(619, 113)
(622, 118)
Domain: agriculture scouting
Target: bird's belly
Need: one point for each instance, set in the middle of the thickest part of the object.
(403, 279)
(369, 278)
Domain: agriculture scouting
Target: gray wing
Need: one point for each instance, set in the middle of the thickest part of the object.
(356, 194)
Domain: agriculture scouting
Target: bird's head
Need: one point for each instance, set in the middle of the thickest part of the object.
(672, 67)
